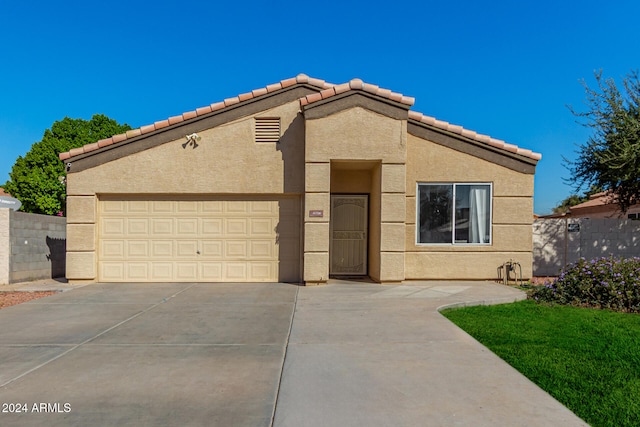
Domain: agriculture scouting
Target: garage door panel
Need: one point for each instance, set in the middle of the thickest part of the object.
(186, 271)
(213, 206)
(112, 271)
(211, 271)
(139, 226)
(212, 249)
(113, 226)
(162, 206)
(138, 248)
(187, 206)
(187, 226)
(263, 207)
(137, 206)
(187, 248)
(162, 248)
(237, 206)
(199, 240)
(262, 226)
(137, 270)
(262, 249)
(234, 249)
(212, 227)
(261, 271)
(160, 226)
(235, 271)
(236, 226)
(113, 249)
(113, 206)
(161, 271)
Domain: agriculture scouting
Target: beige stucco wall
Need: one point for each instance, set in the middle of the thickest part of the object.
(348, 138)
(305, 161)
(512, 215)
(227, 160)
(247, 166)
(356, 133)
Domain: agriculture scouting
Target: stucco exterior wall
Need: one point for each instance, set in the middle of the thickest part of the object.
(249, 167)
(227, 160)
(352, 145)
(512, 215)
(357, 135)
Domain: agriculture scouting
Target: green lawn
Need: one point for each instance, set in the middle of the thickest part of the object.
(587, 359)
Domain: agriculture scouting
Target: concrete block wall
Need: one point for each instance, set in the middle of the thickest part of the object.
(32, 246)
(555, 244)
(5, 247)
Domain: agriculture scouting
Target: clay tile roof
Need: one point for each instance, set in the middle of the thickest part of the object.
(485, 139)
(356, 85)
(326, 90)
(598, 199)
(300, 78)
(3, 193)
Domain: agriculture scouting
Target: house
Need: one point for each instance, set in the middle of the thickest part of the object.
(299, 181)
(602, 205)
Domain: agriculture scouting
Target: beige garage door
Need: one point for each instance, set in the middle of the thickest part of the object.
(214, 240)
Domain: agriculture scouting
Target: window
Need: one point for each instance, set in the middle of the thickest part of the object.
(457, 214)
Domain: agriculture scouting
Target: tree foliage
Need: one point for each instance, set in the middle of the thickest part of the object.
(572, 200)
(575, 199)
(610, 159)
(36, 178)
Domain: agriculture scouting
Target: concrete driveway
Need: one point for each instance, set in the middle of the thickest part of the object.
(344, 354)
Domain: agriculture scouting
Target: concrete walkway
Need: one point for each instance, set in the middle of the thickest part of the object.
(344, 354)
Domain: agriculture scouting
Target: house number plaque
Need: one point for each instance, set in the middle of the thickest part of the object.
(316, 213)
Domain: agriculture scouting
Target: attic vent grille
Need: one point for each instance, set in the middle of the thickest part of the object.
(267, 129)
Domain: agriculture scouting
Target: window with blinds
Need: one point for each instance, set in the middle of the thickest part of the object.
(267, 129)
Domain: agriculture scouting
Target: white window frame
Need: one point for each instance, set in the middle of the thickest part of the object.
(453, 231)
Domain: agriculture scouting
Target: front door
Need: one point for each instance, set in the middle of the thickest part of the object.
(348, 245)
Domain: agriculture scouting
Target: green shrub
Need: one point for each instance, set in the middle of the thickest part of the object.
(608, 283)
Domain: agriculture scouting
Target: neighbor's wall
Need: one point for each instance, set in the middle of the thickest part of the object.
(32, 246)
(227, 160)
(554, 246)
(5, 245)
(511, 223)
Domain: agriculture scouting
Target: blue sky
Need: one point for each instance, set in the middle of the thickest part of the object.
(505, 68)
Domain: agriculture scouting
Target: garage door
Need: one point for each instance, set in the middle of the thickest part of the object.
(213, 240)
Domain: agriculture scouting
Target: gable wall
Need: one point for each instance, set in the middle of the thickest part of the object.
(227, 160)
(357, 134)
(512, 214)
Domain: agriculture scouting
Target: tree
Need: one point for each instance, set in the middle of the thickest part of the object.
(575, 199)
(610, 159)
(37, 178)
(567, 203)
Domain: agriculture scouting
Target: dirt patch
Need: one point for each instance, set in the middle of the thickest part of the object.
(542, 280)
(7, 299)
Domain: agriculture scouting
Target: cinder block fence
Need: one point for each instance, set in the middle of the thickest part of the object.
(558, 242)
(32, 246)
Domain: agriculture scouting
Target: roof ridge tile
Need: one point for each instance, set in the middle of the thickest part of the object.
(327, 90)
(486, 139)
